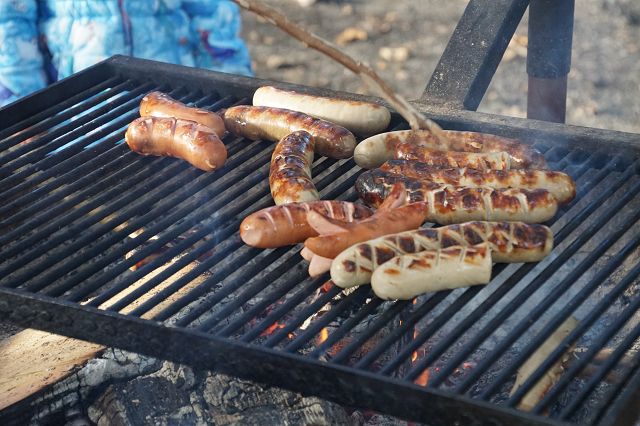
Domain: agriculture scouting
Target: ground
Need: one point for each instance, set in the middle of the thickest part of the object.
(403, 40)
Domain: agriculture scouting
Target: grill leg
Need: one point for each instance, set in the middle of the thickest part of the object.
(549, 58)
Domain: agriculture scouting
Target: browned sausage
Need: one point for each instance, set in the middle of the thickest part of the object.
(158, 104)
(290, 171)
(273, 124)
(432, 157)
(287, 224)
(172, 137)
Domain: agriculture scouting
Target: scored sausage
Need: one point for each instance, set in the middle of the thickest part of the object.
(403, 218)
(410, 275)
(290, 171)
(284, 225)
(255, 122)
(362, 118)
(453, 204)
(374, 151)
(510, 242)
(172, 137)
(432, 157)
(158, 104)
(559, 184)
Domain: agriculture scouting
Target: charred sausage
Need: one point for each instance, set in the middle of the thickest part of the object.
(188, 140)
(432, 157)
(255, 122)
(290, 171)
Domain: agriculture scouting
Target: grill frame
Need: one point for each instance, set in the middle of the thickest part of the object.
(276, 367)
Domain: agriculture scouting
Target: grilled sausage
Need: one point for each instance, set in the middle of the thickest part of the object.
(510, 242)
(362, 118)
(405, 277)
(374, 151)
(559, 184)
(290, 171)
(158, 104)
(432, 157)
(255, 122)
(284, 225)
(403, 218)
(172, 137)
(453, 204)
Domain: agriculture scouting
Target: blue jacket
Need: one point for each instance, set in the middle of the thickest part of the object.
(42, 41)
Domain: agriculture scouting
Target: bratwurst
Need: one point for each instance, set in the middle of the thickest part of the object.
(254, 122)
(480, 161)
(290, 171)
(171, 137)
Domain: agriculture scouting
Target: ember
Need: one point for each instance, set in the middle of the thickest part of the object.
(273, 327)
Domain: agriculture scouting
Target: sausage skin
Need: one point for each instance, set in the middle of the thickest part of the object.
(362, 118)
(432, 157)
(410, 275)
(510, 242)
(171, 137)
(449, 204)
(255, 122)
(290, 171)
(374, 151)
(559, 184)
(284, 225)
(158, 104)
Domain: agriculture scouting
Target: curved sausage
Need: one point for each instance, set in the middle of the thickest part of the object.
(374, 151)
(284, 225)
(453, 204)
(432, 157)
(362, 118)
(158, 104)
(405, 277)
(172, 137)
(290, 171)
(254, 122)
(510, 242)
(559, 184)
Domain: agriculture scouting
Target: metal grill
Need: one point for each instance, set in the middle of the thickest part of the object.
(79, 210)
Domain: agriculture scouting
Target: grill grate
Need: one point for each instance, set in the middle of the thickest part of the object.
(79, 210)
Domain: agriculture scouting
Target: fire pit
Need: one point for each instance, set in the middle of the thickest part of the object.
(143, 254)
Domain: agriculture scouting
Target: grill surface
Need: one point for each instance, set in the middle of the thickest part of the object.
(79, 209)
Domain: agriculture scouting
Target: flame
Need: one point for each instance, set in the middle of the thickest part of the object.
(272, 328)
(423, 378)
(324, 334)
(414, 356)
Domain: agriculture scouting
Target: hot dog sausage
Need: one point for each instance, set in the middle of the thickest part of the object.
(290, 171)
(374, 151)
(432, 157)
(172, 137)
(273, 124)
(559, 184)
(405, 277)
(287, 224)
(403, 218)
(157, 104)
(362, 118)
(453, 204)
(510, 242)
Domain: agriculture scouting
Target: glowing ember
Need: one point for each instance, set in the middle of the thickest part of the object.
(326, 286)
(414, 356)
(423, 378)
(272, 328)
(324, 334)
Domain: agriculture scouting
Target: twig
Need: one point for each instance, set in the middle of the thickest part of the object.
(367, 74)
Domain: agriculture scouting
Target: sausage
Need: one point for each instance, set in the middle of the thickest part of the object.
(290, 171)
(510, 242)
(172, 137)
(374, 151)
(559, 184)
(255, 122)
(284, 225)
(362, 118)
(453, 204)
(432, 157)
(410, 275)
(403, 218)
(158, 104)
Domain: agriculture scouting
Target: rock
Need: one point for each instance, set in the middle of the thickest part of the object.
(394, 54)
(351, 34)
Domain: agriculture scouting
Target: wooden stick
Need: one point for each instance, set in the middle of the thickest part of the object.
(367, 74)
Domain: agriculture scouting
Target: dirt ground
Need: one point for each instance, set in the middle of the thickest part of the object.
(403, 40)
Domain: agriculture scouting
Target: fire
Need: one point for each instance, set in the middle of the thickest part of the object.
(414, 356)
(423, 378)
(272, 328)
(324, 334)
(326, 286)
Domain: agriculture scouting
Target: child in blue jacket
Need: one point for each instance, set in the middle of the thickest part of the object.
(42, 41)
